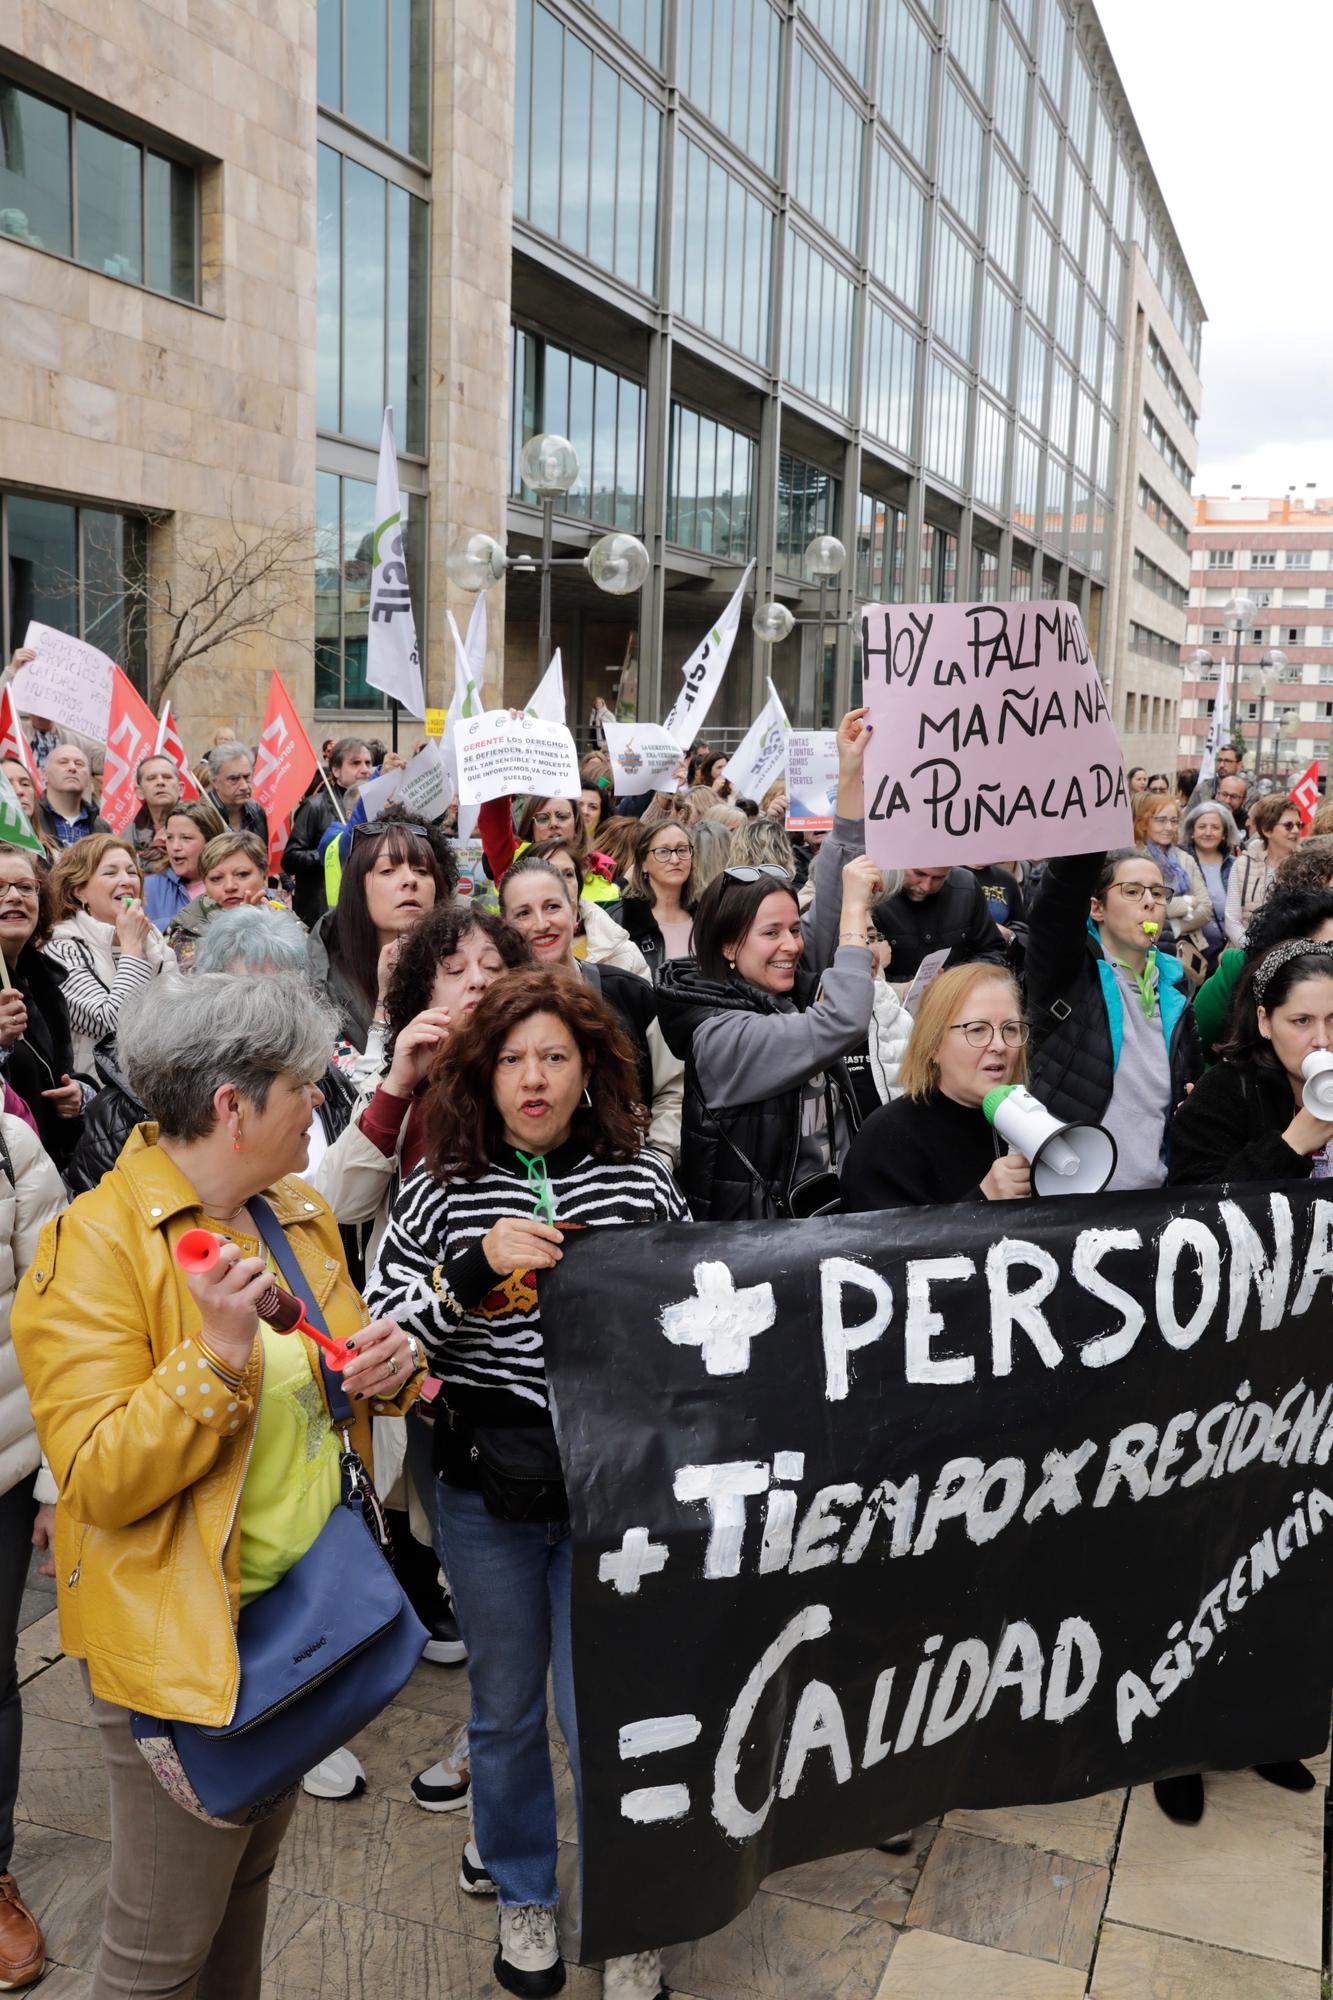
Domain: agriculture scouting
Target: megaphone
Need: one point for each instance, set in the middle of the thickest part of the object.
(199, 1249)
(1317, 1096)
(1066, 1159)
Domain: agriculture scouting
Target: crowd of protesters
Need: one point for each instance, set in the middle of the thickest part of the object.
(650, 1010)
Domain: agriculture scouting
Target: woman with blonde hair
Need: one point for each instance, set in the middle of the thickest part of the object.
(661, 890)
(102, 939)
(1157, 831)
(935, 1143)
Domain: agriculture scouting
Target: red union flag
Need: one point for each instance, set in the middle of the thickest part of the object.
(169, 744)
(14, 743)
(130, 736)
(1305, 791)
(284, 766)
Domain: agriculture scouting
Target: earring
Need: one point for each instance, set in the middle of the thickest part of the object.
(587, 1098)
(236, 1139)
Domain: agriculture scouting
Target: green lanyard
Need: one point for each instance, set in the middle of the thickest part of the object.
(539, 1185)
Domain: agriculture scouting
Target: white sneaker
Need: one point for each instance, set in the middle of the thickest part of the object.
(528, 1960)
(473, 1879)
(442, 1788)
(339, 1776)
(638, 1977)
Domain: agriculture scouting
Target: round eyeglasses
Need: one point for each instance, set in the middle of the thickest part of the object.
(980, 1034)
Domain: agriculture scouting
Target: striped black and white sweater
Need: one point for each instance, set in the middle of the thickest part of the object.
(481, 1332)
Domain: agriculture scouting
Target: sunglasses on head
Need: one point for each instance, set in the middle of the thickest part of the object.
(366, 827)
(760, 869)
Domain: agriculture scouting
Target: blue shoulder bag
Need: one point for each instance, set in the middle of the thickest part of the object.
(322, 1652)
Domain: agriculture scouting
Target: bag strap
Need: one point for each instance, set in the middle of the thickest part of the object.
(275, 1241)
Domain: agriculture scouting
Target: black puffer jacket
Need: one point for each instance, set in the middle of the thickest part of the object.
(329, 979)
(719, 1185)
(115, 1111)
(1072, 1055)
(636, 918)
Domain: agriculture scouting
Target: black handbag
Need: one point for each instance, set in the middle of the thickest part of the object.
(516, 1468)
(321, 1654)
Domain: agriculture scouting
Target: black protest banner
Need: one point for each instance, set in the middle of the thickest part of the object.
(877, 1516)
(991, 736)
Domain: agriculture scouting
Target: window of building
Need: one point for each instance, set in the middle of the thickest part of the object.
(1080, 96)
(84, 191)
(881, 530)
(1085, 417)
(1263, 559)
(1033, 356)
(1094, 254)
(992, 440)
(890, 378)
(1155, 432)
(985, 576)
(1221, 559)
(897, 229)
(374, 67)
(585, 150)
(599, 411)
(727, 63)
(710, 484)
(1004, 209)
(372, 325)
(1056, 512)
(1062, 403)
(1045, 155)
(1293, 637)
(952, 291)
(638, 22)
(1022, 13)
(968, 23)
(1157, 510)
(997, 334)
(1153, 645)
(79, 569)
(939, 565)
(946, 423)
(904, 77)
(808, 498)
(1075, 203)
(1027, 465)
(1011, 91)
(1040, 251)
(1115, 273)
(1066, 304)
(344, 532)
(1152, 578)
(1175, 386)
(818, 356)
(1296, 559)
(722, 252)
(842, 23)
(1054, 38)
(960, 156)
(826, 178)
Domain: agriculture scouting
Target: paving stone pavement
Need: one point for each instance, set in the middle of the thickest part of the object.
(1100, 1899)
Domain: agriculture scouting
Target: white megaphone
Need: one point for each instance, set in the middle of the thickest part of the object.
(1317, 1096)
(1066, 1159)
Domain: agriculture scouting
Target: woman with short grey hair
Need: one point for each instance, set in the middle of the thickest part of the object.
(192, 1446)
(255, 939)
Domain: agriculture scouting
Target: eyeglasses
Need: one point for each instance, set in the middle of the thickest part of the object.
(980, 1034)
(669, 853)
(28, 890)
(760, 869)
(1289, 826)
(365, 828)
(1139, 892)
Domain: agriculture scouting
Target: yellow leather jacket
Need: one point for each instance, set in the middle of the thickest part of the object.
(148, 1462)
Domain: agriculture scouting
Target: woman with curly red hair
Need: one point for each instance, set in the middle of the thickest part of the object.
(533, 1126)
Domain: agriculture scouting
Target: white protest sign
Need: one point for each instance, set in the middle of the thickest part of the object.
(500, 756)
(643, 757)
(761, 754)
(704, 669)
(991, 736)
(69, 682)
(812, 779)
(423, 787)
(929, 970)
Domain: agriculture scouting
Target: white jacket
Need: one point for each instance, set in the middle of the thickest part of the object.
(100, 978)
(27, 1203)
(356, 1179)
(890, 1032)
(608, 944)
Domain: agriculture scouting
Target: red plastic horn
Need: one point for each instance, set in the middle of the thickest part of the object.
(198, 1250)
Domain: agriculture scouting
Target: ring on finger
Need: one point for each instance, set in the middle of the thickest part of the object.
(391, 1365)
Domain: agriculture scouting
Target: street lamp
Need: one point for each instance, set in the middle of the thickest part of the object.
(617, 563)
(1238, 610)
(1272, 666)
(824, 559)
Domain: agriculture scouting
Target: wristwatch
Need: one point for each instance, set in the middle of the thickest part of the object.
(414, 1348)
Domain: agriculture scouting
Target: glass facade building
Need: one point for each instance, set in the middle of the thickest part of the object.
(853, 267)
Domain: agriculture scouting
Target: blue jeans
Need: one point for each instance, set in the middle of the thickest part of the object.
(510, 1582)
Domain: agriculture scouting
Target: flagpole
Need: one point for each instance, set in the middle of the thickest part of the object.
(332, 794)
(393, 714)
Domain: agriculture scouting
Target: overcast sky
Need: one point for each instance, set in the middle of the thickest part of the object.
(1232, 100)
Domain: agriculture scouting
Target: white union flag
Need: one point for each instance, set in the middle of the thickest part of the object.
(392, 662)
